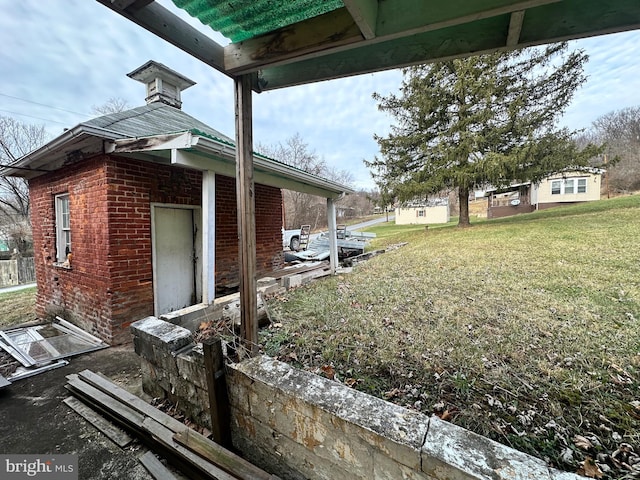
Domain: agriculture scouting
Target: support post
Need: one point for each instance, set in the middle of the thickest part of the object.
(246, 214)
(208, 236)
(333, 240)
(217, 386)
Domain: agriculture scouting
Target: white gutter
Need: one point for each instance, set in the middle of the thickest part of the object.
(208, 145)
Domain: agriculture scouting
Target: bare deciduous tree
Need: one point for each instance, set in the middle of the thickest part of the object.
(113, 105)
(16, 139)
(620, 131)
(302, 208)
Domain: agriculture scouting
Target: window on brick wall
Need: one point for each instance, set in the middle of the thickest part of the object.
(63, 227)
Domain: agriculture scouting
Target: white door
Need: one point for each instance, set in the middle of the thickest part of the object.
(174, 274)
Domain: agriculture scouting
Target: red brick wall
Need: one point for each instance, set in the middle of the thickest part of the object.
(110, 282)
(269, 255)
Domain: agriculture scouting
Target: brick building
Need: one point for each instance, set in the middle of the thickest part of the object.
(134, 213)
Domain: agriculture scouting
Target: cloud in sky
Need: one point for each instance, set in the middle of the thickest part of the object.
(61, 57)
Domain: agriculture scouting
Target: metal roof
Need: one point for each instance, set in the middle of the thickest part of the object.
(280, 43)
(153, 119)
(240, 20)
(155, 132)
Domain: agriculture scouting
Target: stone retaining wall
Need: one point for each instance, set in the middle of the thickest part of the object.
(299, 425)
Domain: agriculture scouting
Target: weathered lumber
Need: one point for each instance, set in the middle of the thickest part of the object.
(114, 433)
(217, 387)
(158, 430)
(155, 467)
(164, 437)
(129, 399)
(295, 270)
(214, 453)
(105, 402)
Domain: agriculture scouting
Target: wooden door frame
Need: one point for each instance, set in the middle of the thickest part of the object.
(197, 223)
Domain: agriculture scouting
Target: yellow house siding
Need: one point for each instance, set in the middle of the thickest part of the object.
(543, 189)
(422, 215)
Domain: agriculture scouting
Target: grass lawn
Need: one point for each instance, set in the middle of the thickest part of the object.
(17, 307)
(523, 329)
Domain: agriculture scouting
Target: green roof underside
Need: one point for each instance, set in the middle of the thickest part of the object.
(281, 43)
(239, 20)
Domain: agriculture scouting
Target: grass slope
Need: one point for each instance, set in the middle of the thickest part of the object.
(523, 329)
(17, 307)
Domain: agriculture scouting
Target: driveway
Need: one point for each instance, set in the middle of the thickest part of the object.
(34, 420)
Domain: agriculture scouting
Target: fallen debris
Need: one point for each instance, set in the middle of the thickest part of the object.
(155, 467)
(27, 351)
(194, 454)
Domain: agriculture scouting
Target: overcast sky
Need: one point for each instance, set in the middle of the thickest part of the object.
(58, 58)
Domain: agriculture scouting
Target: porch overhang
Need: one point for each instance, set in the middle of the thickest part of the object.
(313, 41)
(199, 152)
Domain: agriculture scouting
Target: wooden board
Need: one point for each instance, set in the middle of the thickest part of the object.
(129, 399)
(158, 430)
(155, 467)
(114, 433)
(218, 455)
(164, 436)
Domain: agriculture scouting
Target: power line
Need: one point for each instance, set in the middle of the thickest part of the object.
(43, 104)
(31, 116)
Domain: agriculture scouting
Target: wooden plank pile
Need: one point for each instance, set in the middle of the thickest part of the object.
(192, 453)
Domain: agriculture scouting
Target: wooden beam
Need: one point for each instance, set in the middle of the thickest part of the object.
(401, 18)
(114, 433)
(332, 29)
(246, 214)
(365, 14)
(447, 43)
(162, 22)
(217, 387)
(155, 467)
(217, 455)
(319, 37)
(480, 36)
(515, 27)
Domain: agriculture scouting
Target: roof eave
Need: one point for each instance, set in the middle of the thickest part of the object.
(30, 165)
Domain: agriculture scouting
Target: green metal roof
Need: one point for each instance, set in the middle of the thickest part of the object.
(239, 20)
(280, 43)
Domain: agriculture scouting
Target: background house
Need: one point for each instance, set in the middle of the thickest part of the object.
(563, 188)
(134, 213)
(423, 213)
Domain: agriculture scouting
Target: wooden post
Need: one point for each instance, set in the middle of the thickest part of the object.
(217, 386)
(333, 241)
(246, 214)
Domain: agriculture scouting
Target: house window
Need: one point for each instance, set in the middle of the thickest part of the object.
(569, 186)
(63, 228)
(421, 213)
(582, 185)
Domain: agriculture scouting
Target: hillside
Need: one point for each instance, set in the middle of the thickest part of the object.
(524, 329)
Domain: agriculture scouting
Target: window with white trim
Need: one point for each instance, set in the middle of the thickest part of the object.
(568, 186)
(63, 227)
(582, 185)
